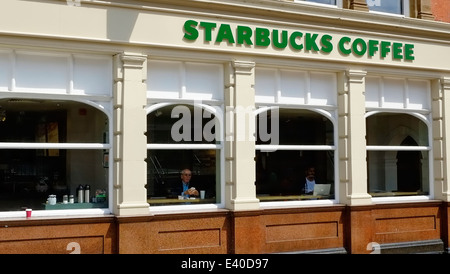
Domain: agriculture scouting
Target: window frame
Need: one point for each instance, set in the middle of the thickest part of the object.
(105, 107)
(219, 146)
(375, 102)
(182, 93)
(308, 96)
(306, 2)
(425, 118)
(405, 6)
(329, 114)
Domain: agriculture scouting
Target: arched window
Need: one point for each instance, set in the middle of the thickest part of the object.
(183, 139)
(51, 147)
(305, 140)
(398, 155)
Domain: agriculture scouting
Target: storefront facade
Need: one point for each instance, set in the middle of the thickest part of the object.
(125, 99)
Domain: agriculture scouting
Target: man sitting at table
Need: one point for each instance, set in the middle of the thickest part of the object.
(186, 191)
(310, 181)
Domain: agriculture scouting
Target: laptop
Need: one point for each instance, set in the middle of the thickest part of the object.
(322, 189)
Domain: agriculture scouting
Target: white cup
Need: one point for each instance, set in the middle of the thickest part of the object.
(202, 194)
(51, 199)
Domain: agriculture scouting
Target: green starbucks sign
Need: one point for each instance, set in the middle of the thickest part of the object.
(296, 41)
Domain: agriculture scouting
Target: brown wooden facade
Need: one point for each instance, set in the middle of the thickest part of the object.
(353, 223)
(386, 228)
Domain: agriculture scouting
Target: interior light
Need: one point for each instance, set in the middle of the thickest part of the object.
(2, 115)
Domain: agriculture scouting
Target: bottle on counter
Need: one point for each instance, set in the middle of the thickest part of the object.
(87, 189)
(80, 193)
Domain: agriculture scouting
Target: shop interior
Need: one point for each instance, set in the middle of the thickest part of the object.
(185, 125)
(280, 172)
(29, 175)
(402, 170)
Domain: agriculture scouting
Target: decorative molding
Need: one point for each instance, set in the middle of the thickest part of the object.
(131, 60)
(356, 5)
(423, 10)
(356, 76)
(445, 82)
(243, 67)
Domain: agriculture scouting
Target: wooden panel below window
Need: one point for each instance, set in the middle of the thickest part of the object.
(406, 224)
(76, 245)
(305, 231)
(192, 233)
(296, 230)
(172, 240)
(91, 235)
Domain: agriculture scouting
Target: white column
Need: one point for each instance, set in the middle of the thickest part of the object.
(130, 169)
(240, 189)
(441, 132)
(352, 141)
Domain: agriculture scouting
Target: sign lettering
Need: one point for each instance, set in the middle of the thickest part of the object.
(296, 40)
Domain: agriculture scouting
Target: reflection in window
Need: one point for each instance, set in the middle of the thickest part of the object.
(329, 2)
(388, 6)
(51, 147)
(306, 139)
(181, 124)
(182, 137)
(398, 155)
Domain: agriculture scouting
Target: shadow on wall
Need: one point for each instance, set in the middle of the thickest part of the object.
(120, 24)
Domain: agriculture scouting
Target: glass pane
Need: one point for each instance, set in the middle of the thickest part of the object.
(181, 124)
(48, 121)
(164, 179)
(391, 129)
(398, 173)
(330, 2)
(389, 6)
(281, 175)
(293, 127)
(29, 176)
